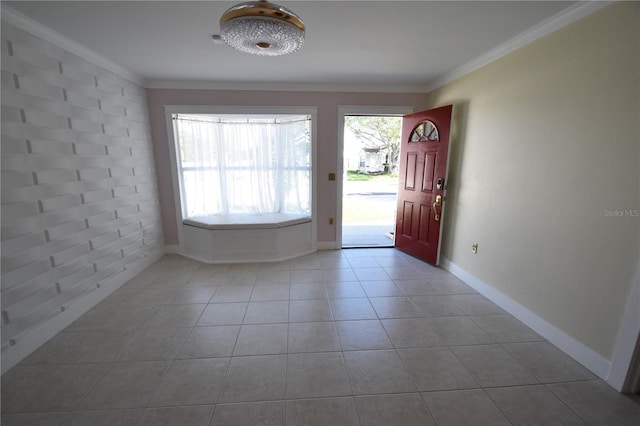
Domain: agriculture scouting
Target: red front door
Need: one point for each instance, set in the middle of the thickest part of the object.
(423, 172)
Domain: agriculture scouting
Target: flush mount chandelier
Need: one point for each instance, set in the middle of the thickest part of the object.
(262, 28)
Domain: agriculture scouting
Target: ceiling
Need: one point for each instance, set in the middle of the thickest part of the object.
(400, 45)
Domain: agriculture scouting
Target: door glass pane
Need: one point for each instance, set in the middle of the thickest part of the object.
(425, 131)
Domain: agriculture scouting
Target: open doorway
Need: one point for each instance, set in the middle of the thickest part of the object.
(371, 148)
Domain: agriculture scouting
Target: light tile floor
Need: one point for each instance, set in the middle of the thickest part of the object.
(351, 337)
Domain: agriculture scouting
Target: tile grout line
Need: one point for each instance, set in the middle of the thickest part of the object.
(433, 417)
(344, 360)
(147, 326)
(564, 403)
(497, 406)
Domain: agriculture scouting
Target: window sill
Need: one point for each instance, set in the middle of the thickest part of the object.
(246, 221)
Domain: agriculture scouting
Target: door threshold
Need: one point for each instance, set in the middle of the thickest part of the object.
(366, 246)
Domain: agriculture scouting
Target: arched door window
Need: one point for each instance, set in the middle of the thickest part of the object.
(424, 132)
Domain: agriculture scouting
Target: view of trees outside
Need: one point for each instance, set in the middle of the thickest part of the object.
(370, 182)
(377, 133)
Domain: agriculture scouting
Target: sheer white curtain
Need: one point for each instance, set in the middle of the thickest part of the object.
(232, 165)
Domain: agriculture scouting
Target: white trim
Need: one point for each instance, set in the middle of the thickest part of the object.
(175, 181)
(452, 120)
(561, 19)
(624, 371)
(327, 245)
(40, 335)
(47, 34)
(283, 86)
(344, 110)
(546, 27)
(176, 249)
(240, 109)
(578, 351)
(248, 221)
(173, 249)
(245, 259)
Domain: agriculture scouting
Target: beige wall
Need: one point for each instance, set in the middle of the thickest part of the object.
(549, 140)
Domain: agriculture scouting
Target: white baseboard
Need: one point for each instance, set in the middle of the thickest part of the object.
(39, 335)
(576, 350)
(174, 249)
(327, 245)
(245, 258)
(624, 375)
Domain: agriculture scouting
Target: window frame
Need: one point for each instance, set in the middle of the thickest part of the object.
(170, 110)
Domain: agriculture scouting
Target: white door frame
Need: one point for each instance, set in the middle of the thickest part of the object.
(624, 372)
(344, 110)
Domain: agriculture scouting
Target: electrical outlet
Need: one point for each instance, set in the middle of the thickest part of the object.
(330, 221)
(474, 248)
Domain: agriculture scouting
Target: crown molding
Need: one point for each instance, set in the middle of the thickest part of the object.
(282, 86)
(561, 19)
(35, 28)
(546, 27)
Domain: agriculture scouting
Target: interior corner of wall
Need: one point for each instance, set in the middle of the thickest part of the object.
(625, 361)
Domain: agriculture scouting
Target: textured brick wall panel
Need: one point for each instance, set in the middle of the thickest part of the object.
(79, 192)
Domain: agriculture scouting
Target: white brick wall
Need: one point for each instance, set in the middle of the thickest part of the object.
(80, 207)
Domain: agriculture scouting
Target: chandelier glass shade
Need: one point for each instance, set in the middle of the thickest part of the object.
(262, 28)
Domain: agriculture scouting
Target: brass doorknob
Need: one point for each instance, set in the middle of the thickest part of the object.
(436, 203)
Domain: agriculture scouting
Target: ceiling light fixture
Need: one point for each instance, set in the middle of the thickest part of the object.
(262, 28)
